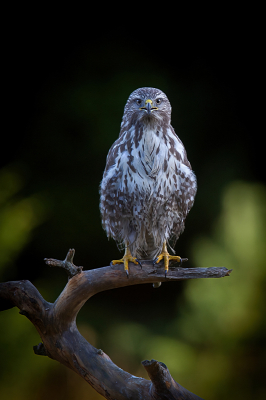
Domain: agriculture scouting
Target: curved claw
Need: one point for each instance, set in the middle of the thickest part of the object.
(138, 261)
(155, 261)
(127, 273)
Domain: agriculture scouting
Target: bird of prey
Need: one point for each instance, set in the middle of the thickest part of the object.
(148, 186)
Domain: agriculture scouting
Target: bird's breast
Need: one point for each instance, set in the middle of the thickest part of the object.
(148, 154)
(149, 165)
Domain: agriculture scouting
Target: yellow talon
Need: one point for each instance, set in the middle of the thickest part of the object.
(126, 259)
(166, 257)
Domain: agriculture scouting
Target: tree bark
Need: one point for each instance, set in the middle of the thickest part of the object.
(61, 340)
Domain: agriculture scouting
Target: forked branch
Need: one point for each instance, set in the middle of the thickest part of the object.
(61, 340)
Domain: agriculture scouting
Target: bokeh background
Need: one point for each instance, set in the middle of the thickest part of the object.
(63, 108)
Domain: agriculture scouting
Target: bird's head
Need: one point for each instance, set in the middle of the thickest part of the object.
(147, 105)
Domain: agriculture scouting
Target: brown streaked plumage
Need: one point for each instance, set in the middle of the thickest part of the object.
(148, 186)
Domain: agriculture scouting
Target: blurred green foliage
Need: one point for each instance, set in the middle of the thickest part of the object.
(18, 216)
(210, 333)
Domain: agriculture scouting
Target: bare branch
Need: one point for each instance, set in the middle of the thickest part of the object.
(67, 264)
(163, 385)
(61, 340)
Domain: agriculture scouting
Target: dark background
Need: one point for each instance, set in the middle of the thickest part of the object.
(63, 103)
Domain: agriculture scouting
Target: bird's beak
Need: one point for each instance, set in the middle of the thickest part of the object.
(148, 106)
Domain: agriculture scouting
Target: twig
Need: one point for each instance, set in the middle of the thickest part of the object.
(67, 263)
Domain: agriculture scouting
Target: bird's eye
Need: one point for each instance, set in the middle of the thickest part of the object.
(138, 101)
(158, 101)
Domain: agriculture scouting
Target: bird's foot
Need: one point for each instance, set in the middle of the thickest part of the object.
(125, 260)
(167, 257)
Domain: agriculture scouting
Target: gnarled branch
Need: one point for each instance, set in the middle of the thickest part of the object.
(61, 340)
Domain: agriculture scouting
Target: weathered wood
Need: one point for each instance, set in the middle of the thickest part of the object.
(61, 340)
(67, 263)
(163, 385)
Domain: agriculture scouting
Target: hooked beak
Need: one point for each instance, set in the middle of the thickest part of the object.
(148, 106)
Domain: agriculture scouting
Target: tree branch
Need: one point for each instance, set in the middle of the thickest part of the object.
(67, 264)
(61, 340)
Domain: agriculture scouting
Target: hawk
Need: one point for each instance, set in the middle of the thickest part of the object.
(148, 186)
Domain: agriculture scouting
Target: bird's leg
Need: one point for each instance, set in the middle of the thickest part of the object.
(126, 259)
(166, 257)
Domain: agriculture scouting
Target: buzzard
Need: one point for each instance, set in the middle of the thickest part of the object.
(148, 186)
